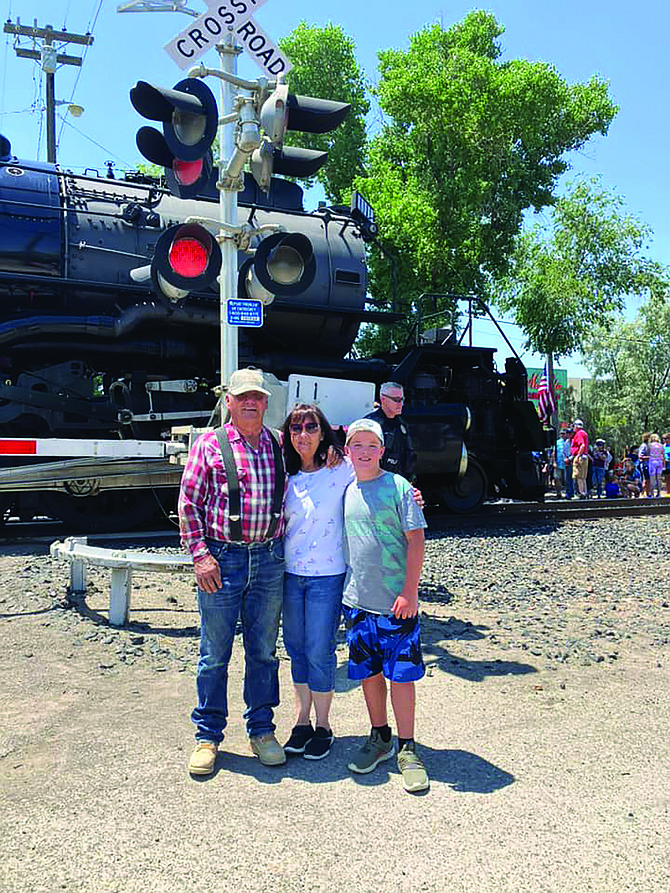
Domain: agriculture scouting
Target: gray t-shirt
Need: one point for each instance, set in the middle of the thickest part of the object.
(376, 515)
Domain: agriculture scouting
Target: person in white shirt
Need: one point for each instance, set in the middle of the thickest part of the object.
(314, 573)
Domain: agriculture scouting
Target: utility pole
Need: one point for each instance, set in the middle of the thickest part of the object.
(50, 58)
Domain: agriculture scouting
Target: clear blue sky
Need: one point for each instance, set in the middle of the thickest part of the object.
(624, 42)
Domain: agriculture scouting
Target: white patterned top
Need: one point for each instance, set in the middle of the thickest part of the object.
(314, 513)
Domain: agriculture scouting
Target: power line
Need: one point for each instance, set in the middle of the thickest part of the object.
(89, 30)
(30, 108)
(50, 59)
(95, 143)
(94, 18)
(66, 14)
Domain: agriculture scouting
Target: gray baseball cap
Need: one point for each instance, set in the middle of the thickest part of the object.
(244, 380)
(367, 425)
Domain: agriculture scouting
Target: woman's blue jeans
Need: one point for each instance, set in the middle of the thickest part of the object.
(251, 589)
(312, 607)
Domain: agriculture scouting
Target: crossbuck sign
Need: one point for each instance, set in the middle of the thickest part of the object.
(208, 29)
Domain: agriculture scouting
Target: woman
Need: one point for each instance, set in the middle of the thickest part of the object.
(315, 572)
(656, 465)
(643, 460)
(666, 471)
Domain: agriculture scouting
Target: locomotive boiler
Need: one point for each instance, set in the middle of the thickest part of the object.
(90, 349)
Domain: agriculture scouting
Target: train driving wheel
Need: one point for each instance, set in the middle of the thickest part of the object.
(108, 512)
(467, 493)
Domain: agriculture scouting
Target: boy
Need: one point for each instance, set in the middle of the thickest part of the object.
(631, 480)
(384, 552)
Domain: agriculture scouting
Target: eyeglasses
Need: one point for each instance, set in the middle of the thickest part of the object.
(394, 399)
(309, 427)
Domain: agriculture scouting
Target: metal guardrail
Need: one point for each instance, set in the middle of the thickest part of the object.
(109, 474)
(122, 563)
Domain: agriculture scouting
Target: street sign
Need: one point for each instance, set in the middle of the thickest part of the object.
(244, 313)
(208, 30)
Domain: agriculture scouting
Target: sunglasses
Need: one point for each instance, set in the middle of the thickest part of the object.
(309, 427)
(394, 399)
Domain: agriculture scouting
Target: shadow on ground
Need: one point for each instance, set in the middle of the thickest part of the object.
(462, 771)
(435, 631)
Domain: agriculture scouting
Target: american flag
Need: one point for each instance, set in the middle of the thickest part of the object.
(545, 397)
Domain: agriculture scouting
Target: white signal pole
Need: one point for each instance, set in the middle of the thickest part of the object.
(227, 212)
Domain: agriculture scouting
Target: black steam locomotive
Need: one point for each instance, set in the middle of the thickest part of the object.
(88, 349)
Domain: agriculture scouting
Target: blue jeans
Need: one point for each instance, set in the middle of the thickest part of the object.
(312, 607)
(251, 587)
(569, 485)
(598, 477)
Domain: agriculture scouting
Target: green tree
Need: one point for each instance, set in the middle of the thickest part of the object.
(575, 273)
(469, 143)
(325, 67)
(630, 363)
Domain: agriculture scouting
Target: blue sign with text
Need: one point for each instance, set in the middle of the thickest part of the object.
(246, 313)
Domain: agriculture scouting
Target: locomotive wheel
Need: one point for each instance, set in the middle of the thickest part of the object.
(111, 511)
(6, 506)
(467, 493)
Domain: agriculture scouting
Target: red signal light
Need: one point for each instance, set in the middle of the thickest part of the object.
(187, 172)
(188, 257)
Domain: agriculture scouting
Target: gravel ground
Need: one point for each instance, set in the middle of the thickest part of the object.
(543, 718)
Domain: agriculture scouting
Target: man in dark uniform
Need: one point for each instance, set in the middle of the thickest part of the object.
(399, 456)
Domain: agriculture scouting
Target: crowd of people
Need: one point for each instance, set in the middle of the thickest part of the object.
(581, 470)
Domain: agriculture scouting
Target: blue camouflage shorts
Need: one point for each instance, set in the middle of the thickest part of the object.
(383, 643)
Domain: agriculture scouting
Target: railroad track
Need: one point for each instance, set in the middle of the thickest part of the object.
(46, 530)
(554, 510)
(491, 513)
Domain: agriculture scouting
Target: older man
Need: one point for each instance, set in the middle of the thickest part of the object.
(579, 450)
(230, 520)
(399, 456)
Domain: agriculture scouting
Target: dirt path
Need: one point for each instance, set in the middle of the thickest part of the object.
(546, 775)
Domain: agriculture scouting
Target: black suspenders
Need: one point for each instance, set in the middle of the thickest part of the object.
(232, 478)
(278, 496)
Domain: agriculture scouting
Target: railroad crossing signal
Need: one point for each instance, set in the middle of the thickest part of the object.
(187, 258)
(284, 111)
(210, 28)
(190, 116)
(283, 265)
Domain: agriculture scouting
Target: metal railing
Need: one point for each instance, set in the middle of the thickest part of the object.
(122, 563)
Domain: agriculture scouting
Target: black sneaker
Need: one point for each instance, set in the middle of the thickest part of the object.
(300, 736)
(320, 744)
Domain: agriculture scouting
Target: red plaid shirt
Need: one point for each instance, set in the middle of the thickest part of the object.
(203, 497)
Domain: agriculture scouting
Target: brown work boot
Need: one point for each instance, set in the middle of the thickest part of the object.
(268, 750)
(203, 758)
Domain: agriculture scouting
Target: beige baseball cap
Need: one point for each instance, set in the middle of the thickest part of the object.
(367, 425)
(244, 380)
